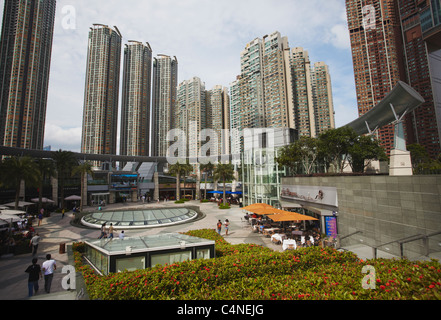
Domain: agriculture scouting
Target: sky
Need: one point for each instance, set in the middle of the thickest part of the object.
(206, 36)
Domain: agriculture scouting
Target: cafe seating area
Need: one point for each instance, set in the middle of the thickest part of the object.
(290, 230)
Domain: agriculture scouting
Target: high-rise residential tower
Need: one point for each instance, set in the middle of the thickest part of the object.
(431, 27)
(165, 84)
(276, 78)
(253, 109)
(135, 111)
(423, 125)
(278, 88)
(191, 113)
(303, 115)
(100, 114)
(377, 52)
(218, 116)
(25, 58)
(323, 99)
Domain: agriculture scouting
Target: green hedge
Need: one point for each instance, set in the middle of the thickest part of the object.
(251, 272)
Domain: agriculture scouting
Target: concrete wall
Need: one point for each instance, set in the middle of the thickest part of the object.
(385, 209)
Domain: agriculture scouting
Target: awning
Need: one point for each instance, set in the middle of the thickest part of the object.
(322, 212)
(21, 204)
(286, 204)
(257, 206)
(73, 198)
(9, 218)
(43, 200)
(290, 216)
(12, 212)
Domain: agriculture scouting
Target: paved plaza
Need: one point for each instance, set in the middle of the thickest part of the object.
(55, 230)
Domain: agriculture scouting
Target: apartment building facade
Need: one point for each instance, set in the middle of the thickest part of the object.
(25, 59)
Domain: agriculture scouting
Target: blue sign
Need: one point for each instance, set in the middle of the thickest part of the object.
(331, 227)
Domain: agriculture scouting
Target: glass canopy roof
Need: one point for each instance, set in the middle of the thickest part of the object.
(148, 243)
(143, 218)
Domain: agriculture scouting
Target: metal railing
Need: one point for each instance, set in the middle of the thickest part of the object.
(402, 241)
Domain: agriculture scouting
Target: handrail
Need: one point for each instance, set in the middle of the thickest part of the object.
(402, 241)
(349, 235)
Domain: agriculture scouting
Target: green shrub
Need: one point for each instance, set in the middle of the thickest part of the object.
(226, 206)
(252, 272)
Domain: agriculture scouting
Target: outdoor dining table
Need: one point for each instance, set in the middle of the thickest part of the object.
(289, 244)
(270, 231)
(278, 238)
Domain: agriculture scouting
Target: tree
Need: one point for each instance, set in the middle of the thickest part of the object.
(46, 169)
(304, 151)
(421, 161)
(64, 163)
(208, 169)
(15, 170)
(363, 151)
(176, 170)
(335, 144)
(224, 172)
(83, 169)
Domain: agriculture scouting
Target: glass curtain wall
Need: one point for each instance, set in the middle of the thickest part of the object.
(261, 177)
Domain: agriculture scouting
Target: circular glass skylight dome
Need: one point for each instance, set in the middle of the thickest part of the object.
(137, 219)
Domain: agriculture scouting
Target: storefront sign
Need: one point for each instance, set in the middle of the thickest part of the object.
(311, 194)
(331, 227)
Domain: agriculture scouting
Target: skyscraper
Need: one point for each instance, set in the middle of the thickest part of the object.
(135, 115)
(253, 109)
(303, 115)
(278, 88)
(422, 124)
(377, 53)
(218, 116)
(165, 83)
(100, 114)
(275, 81)
(323, 99)
(25, 58)
(191, 113)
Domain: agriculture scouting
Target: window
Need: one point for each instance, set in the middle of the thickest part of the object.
(169, 258)
(130, 264)
(203, 254)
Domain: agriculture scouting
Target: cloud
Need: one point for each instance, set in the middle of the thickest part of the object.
(63, 138)
(339, 36)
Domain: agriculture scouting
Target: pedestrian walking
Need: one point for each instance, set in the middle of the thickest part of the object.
(111, 231)
(40, 216)
(219, 227)
(34, 272)
(227, 225)
(48, 267)
(103, 231)
(34, 243)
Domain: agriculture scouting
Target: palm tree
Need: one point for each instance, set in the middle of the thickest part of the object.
(46, 169)
(177, 169)
(83, 169)
(15, 170)
(64, 163)
(224, 172)
(208, 169)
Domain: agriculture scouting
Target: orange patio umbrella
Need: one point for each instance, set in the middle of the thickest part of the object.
(257, 206)
(289, 216)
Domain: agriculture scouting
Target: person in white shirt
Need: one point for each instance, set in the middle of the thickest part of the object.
(48, 267)
(121, 235)
(34, 243)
